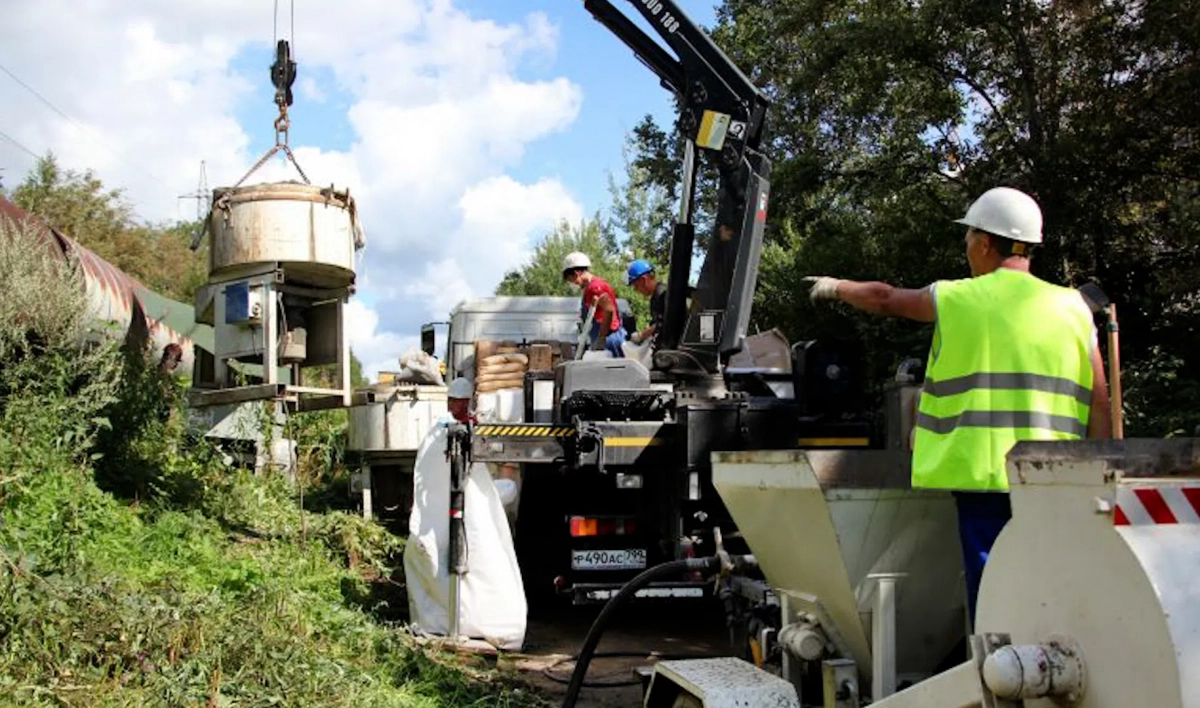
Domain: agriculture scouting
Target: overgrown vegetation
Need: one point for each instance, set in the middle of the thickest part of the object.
(138, 567)
(79, 205)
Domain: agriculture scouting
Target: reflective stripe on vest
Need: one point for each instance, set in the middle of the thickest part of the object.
(1010, 361)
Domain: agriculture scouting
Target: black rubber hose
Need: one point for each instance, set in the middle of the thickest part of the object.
(548, 672)
(626, 592)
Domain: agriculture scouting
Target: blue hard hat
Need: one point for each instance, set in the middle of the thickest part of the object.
(637, 269)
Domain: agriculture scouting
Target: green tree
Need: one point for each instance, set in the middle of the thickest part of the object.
(641, 212)
(542, 274)
(889, 117)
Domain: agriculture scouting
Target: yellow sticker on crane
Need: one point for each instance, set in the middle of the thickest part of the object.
(713, 127)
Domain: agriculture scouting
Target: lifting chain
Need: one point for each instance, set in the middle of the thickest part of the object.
(283, 75)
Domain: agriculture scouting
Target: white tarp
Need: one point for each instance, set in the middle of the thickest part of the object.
(492, 600)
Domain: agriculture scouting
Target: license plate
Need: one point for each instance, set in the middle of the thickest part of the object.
(629, 559)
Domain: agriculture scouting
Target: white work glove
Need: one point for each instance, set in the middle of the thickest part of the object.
(823, 287)
(636, 337)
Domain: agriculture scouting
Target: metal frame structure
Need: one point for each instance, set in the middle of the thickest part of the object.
(249, 339)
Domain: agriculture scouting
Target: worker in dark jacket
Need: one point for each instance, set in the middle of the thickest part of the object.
(1013, 358)
(641, 276)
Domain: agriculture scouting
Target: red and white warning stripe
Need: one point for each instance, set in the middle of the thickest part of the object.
(1157, 504)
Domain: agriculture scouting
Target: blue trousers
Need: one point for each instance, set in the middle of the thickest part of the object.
(612, 342)
(981, 516)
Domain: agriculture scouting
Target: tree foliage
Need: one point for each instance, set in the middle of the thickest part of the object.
(890, 116)
(641, 211)
(542, 274)
(80, 206)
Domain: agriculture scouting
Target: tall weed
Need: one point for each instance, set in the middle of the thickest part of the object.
(137, 568)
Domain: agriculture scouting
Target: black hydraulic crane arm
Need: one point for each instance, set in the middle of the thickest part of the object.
(721, 114)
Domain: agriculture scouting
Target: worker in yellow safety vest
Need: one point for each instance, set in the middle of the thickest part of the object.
(1013, 358)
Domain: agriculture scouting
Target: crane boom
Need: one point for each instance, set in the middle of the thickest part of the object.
(722, 115)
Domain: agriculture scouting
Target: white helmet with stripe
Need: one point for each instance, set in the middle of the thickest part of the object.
(1006, 212)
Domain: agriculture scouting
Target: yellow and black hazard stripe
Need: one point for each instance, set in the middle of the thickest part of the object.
(525, 431)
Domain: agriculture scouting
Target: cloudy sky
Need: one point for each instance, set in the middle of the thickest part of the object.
(464, 128)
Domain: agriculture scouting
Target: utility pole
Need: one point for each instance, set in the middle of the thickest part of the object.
(203, 199)
(201, 195)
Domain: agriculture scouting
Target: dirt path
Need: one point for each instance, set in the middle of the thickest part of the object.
(674, 628)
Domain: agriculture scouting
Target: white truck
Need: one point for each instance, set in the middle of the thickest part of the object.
(390, 419)
(516, 319)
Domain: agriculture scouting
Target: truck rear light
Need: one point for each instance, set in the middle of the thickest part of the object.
(584, 526)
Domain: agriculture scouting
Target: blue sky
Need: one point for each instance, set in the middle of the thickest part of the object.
(618, 90)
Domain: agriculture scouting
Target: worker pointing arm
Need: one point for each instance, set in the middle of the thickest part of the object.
(1013, 358)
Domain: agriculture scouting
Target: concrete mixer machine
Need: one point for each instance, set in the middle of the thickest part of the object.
(1089, 598)
(281, 270)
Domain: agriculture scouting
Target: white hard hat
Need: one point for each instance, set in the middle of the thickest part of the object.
(460, 388)
(1006, 212)
(575, 259)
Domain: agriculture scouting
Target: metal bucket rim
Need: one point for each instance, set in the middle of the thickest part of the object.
(284, 191)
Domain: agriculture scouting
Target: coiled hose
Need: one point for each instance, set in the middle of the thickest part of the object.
(705, 565)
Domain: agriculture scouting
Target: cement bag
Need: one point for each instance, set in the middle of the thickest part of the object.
(503, 359)
(492, 604)
(638, 352)
(491, 370)
(506, 382)
(507, 406)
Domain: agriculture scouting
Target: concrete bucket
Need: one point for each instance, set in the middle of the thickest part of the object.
(841, 536)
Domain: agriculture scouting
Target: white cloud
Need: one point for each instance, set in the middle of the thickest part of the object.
(309, 90)
(437, 109)
(378, 351)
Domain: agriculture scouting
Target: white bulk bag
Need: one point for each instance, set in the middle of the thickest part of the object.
(492, 601)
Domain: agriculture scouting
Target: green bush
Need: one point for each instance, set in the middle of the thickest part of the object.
(177, 580)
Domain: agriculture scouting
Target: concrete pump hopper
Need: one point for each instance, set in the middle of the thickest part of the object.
(842, 539)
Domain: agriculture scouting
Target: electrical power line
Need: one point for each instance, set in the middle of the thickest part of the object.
(18, 143)
(49, 104)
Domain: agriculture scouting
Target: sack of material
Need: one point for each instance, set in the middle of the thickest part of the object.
(492, 604)
(501, 376)
(418, 367)
(492, 370)
(501, 359)
(513, 381)
(506, 406)
(638, 352)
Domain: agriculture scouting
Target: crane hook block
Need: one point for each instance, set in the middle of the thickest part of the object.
(283, 72)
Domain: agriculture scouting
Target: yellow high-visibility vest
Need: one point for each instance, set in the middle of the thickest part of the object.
(1010, 361)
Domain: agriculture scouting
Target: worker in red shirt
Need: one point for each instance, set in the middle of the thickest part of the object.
(606, 331)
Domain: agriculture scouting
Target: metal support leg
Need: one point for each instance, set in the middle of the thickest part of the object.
(270, 328)
(368, 510)
(343, 361)
(883, 635)
(459, 442)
